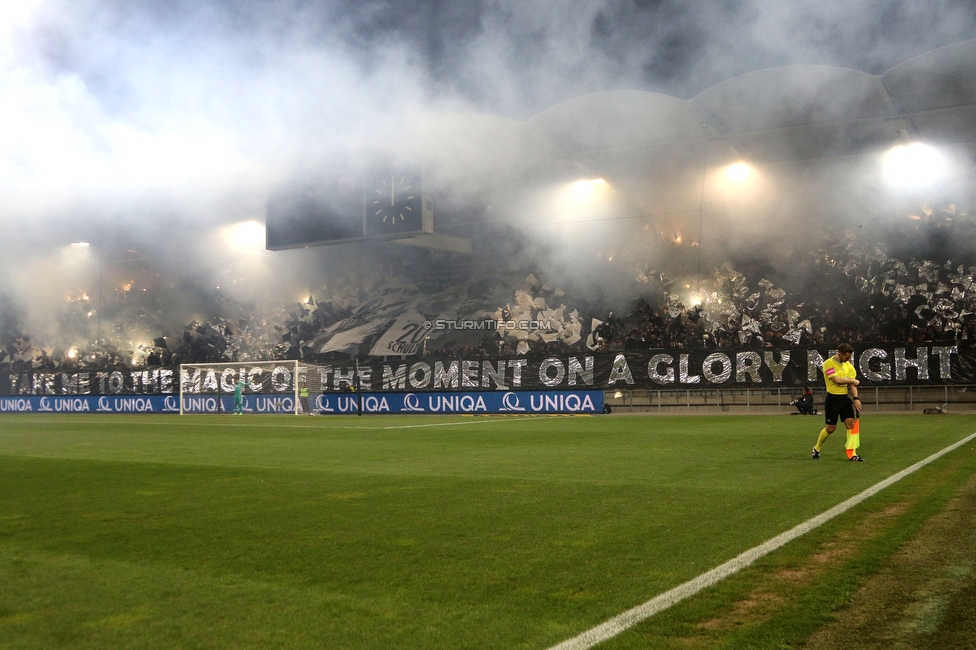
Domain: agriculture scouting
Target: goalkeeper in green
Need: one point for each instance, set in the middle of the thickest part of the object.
(239, 398)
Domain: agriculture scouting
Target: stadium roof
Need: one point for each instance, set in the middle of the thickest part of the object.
(784, 114)
(654, 147)
(938, 91)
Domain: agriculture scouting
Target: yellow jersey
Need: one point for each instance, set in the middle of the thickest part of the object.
(834, 368)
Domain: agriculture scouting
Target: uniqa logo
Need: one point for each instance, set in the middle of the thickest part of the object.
(456, 403)
(343, 404)
(45, 405)
(411, 403)
(373, 404)
(510, 402)
(199, 405)
(571, 402)
(71, 405)
(274, 404)
(103, 405)
(171, 404)
(133, 404)
(322, 404)
(15, 405)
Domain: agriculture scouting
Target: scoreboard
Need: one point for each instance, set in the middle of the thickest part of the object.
(331, 208)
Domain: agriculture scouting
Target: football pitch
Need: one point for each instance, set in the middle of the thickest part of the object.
(442, 532)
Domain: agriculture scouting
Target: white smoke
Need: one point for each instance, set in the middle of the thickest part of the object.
(149, 126)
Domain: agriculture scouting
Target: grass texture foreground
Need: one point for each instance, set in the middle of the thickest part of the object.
(415, 532)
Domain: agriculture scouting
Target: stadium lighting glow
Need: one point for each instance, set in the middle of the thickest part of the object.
(77, 257)
(739, 173)
(584, 189)
(576, 202)
(245, 236)
(737, 182)
(913, 165)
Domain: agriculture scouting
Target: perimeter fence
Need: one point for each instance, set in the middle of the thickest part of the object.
(900, 399)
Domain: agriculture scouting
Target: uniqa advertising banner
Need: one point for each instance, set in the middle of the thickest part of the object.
(705, 368)
(91, 404)
(576, 401)
(523, 402)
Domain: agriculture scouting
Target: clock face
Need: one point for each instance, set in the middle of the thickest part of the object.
(393, 204)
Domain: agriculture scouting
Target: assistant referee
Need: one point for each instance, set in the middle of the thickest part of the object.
(842, 402)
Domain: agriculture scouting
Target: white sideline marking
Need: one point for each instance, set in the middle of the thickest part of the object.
(631, 617)
(454, 424)
(366, 428)
(510, 418)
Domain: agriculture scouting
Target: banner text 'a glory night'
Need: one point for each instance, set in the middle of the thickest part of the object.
(705, 368)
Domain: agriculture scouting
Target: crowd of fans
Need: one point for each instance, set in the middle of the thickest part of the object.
(852, 292)
(905, 303)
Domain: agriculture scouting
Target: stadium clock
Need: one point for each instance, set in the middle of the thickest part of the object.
(394, 204)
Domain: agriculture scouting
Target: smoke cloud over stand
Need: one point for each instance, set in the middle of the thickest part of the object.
(147, 130)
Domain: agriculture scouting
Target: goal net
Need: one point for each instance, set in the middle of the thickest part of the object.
(267, 387)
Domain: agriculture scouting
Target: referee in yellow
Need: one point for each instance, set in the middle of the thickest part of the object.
(842, 402)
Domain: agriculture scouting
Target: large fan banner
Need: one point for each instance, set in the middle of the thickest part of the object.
(651, 369)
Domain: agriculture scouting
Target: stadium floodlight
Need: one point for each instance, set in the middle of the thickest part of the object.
(913, 165)
(269, 387)
(245, 236)
(739, 173)
(584, 189)
(736, 181)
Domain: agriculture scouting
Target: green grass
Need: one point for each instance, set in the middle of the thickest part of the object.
(283, 532)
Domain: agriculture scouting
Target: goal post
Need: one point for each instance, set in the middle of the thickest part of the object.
(269, 387)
